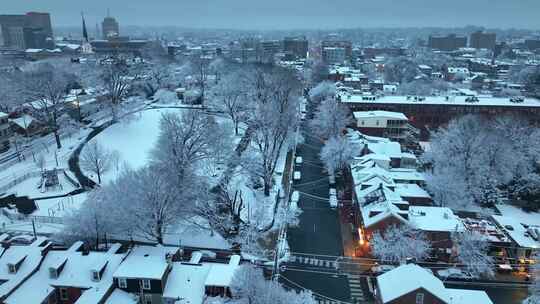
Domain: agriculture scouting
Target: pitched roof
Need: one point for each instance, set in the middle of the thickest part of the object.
(408, 278)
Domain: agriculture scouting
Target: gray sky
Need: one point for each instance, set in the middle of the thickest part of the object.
(284, 14)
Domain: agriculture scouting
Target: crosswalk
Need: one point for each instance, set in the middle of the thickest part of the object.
(357, 294)
(313, 261)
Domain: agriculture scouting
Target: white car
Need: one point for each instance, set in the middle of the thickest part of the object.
(333, 198)
(382, 268)
(455, 273)
(295, 197)
(332, 179)
(297, 175)
(299, 160)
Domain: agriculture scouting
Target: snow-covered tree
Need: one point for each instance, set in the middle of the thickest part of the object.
(250, 287)
(534, 289)
(474, 158)
(97, 159)
(94, 220)
(10, 91)
(231, 98)
(400, 69)
(472, 252)
(116, 79)
(319, 72)
(398, 243)
(157, 76)
(45, 86)
(273, 118)
(324, 90)
(337, 153)
(187, 138)
(330, 119)
(200, 70)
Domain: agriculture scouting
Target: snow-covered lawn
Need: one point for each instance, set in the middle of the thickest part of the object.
(59, 207)
(133, 138)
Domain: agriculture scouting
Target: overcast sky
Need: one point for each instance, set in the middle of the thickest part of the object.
(285, 14)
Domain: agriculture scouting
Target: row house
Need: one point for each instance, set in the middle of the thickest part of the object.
(75, 275)
(430, 112)
(392, 125)
(157, 275)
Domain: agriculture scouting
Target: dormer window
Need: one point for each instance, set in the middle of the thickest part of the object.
(15, 263)
(95, 276)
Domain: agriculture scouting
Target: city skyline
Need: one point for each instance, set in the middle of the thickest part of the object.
(300, 14)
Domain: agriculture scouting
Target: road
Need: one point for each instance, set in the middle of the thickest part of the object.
(318, 236)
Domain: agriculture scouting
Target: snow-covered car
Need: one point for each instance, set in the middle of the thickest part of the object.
(295, 197)
(382, 268)
(455, 273)
(332, 179)
(299, 160)
(333, 198)
(297, 175)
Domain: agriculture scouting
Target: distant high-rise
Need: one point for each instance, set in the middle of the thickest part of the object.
(480, 40)
(110, 27)
(332, 48)
(32, 30)
(297, 46)
(448, 43)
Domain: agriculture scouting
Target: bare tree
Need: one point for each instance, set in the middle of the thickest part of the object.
(117, 80)
(45, 86)
(97, 159)
(200, 69)
(398, 243)
(273, 119)
(231, 98)
(472, 253)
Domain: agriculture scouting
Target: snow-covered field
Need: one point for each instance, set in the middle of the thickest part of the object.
(133, 138)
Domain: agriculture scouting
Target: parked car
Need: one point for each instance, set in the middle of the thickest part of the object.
(379, 269)
(295, 197)
(297, 175)
(455, 273)
(332, 179)
(299, 160)
(333, 198)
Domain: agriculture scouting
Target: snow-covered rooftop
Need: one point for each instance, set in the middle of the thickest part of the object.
(23, 122)
(119, 296)
(519, 225)
(3, 115)
(443, 100)
(222, 274)
(76, 272)
(434, 219)
(380, 114)
(408, 278)
(186, 282)
(466, 296)
(411, 190)
(152, 257)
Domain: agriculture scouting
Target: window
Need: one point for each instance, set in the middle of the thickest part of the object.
(122, 283)
(63, 294)
(419, 298)
(377, 122)
(147, 299)
(146, 284)
(12, 268)
(95, 275)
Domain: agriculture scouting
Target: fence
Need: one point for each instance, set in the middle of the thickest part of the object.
(37, 218)
(17, 180)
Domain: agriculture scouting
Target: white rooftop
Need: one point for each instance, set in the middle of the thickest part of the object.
(434, 219)
(408, 278)
(187, 282)
(380, 114)
(153, 259)
(466, 296)
(436, 100)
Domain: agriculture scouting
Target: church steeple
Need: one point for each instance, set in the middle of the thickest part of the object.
(85, 32)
